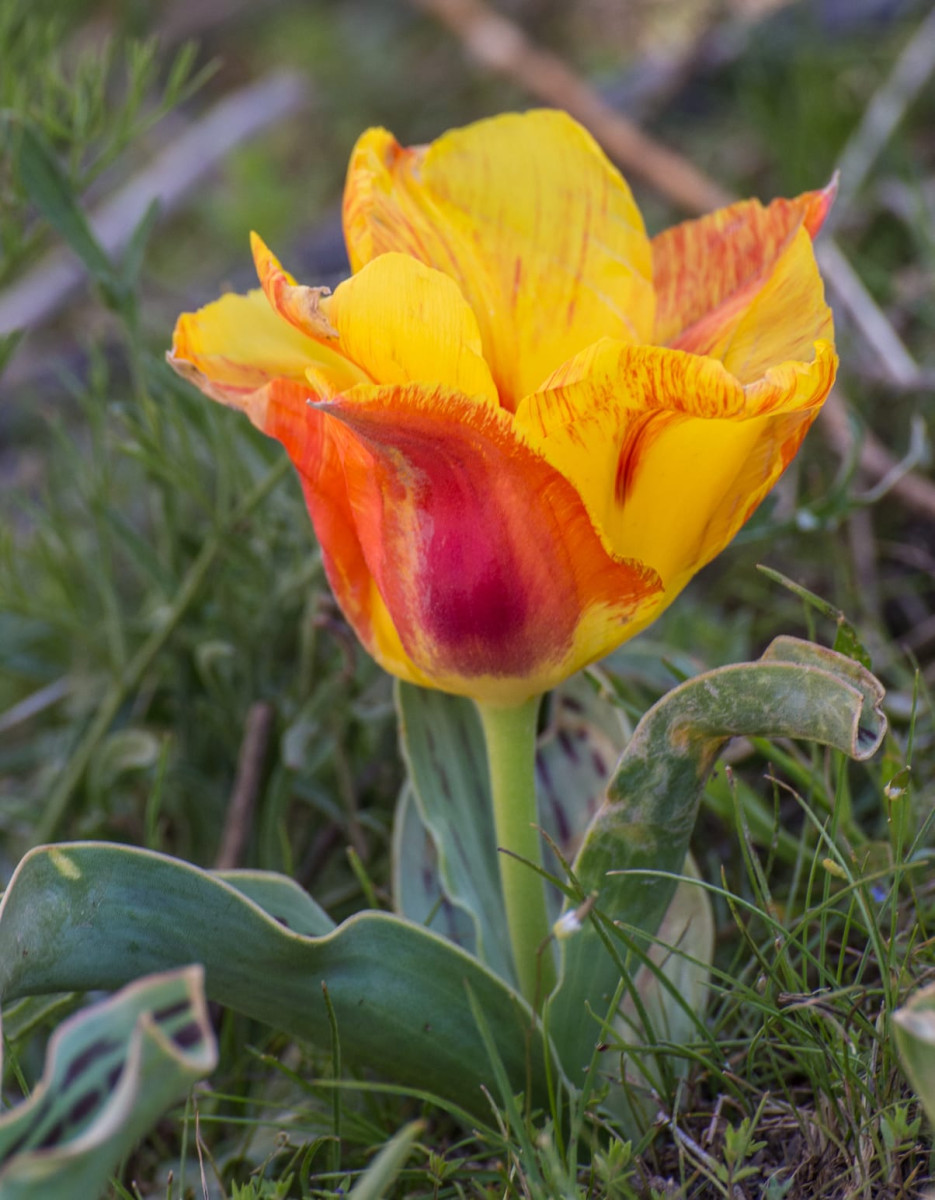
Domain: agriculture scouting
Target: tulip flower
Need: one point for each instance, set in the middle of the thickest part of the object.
(522, 425)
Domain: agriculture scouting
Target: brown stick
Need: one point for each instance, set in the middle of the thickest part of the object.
(253, 750)
(500, 45)
(915, 491)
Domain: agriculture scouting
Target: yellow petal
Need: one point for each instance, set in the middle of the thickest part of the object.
(239, 340)
(794, 385)
(403, 322)
(669, 453)
(233, 348)
(532, 222)
(784, 319)
(693, 483)
(329, 369)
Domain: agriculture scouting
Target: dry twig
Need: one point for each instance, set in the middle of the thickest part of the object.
(253, 751)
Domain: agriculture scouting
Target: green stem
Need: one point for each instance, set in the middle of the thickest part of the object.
(511, 754)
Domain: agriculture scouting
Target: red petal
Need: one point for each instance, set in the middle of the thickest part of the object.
(494, 577)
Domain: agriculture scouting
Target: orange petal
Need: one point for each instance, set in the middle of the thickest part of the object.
(532, 222)
(300, 305)
(708, 271)
(495, 583)
(669, 453)
(308, 436)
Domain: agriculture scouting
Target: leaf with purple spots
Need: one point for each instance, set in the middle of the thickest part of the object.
(111, 1071)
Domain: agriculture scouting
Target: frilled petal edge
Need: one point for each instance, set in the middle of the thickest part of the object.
(668, 451)
(492, 575)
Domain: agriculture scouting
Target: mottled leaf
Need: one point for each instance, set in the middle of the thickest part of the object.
(637, 843)
(914, 1030)
(93, 915)
(443, 745)
(111, 1071)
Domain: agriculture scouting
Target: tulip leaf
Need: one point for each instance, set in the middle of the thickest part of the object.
(111, 1071)
(443, 746)
(282, 898)
(34, 1012)
(669, 993)
(635, 847)
(93, 915)
(914, 1030)
(417, 889)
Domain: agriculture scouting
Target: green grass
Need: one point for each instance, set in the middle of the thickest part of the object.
(158, 577)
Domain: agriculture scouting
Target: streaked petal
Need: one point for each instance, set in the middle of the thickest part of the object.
(403, 322)
(794, 385)
(492, 574)
(783, 320)
(691, 484)
(532, 222)
(617, 375)
(669, 452)
(708, 271)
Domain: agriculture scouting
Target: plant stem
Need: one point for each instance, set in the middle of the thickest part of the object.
(511, 755)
